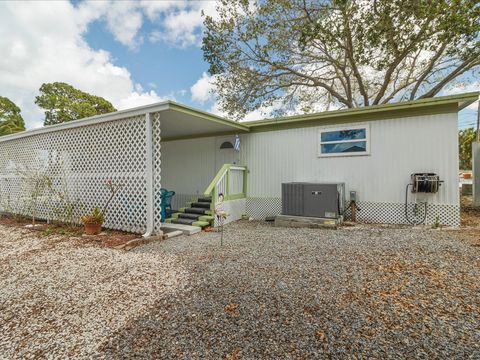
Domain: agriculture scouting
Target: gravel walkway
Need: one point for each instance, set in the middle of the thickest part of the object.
(364, 292)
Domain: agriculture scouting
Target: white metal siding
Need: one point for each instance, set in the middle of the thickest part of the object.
(188, 166)
(398, 148)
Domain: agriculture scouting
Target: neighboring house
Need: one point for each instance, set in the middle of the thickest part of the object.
(373, 150)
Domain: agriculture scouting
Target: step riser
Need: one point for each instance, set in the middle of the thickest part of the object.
(207, 200)
(189, 216)
(202, 205)
(196, 211)
(183, 221)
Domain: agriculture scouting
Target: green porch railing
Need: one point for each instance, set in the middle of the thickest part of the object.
(231, 181)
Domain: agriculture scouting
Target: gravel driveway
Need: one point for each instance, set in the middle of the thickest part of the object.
(364, 291)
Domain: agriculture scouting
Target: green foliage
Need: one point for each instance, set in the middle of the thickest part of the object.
(65, 207)
(306, 54)
(10, 119)
(37, 184)
(465, 139)
(98, 215)
(62, 103)
(95, 217)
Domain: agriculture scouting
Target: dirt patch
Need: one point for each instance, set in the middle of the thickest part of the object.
(108, 238)
(111, 238)
(470, 215)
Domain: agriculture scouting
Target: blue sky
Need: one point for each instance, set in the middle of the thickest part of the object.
(130, 52)
(170, 70)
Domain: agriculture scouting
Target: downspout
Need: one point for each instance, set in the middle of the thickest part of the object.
(149, 174)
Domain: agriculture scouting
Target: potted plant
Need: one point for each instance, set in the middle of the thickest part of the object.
(93, 222)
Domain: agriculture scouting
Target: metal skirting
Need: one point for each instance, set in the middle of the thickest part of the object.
(370, 212)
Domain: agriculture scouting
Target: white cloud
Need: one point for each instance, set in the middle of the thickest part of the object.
(461, 87)
(182, 25)
(178, 23)
(202, 90)
(154, 8)
(139, 99)
(124, 20)
(258, 114)
(38, 45)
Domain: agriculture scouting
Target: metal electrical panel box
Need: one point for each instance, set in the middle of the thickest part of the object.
(324, 200)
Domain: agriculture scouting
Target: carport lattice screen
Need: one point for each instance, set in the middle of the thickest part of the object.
(78, 162)
(157, 170)
(371, 212)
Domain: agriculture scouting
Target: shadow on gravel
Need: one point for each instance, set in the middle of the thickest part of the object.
(332, 298)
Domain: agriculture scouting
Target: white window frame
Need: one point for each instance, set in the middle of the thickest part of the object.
(350, 127)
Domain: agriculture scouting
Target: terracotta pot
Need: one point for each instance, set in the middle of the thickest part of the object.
(467, 175)
(92, 228)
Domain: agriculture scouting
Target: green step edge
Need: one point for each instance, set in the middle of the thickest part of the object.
(175, 215)
(205, 218)
(207, 212)
(200, 223)
(195, 223)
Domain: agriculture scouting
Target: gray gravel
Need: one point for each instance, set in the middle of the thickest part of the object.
(364, 292)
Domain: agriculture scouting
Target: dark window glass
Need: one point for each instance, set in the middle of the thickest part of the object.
(341, 135)
(349, 147)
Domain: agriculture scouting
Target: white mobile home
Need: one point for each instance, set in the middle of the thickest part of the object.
(372, 150)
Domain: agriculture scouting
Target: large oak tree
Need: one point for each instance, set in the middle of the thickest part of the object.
(10, 119)
(302, 54)
(62, 102)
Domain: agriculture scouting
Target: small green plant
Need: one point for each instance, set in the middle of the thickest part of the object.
(95, 217)
(65, 207)
(38, 185)
(436, 224)
(98, 215)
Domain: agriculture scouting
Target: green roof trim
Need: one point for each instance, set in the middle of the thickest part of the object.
(206, 115)
(435, 105)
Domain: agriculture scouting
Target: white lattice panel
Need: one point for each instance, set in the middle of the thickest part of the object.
(370, 212)
(260, 208)
(394, 213)
(157, 170)
(79, 161)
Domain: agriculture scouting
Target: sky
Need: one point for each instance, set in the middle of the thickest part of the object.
(131, 53)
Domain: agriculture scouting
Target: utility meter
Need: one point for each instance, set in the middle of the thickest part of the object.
(353, 195)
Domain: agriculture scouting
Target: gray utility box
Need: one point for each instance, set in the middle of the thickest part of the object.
(323, 200)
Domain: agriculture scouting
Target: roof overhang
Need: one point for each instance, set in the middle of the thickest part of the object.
(183, 122)
(429, 106)
(177, 122)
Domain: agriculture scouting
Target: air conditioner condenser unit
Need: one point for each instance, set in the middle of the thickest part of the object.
(322, 200)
